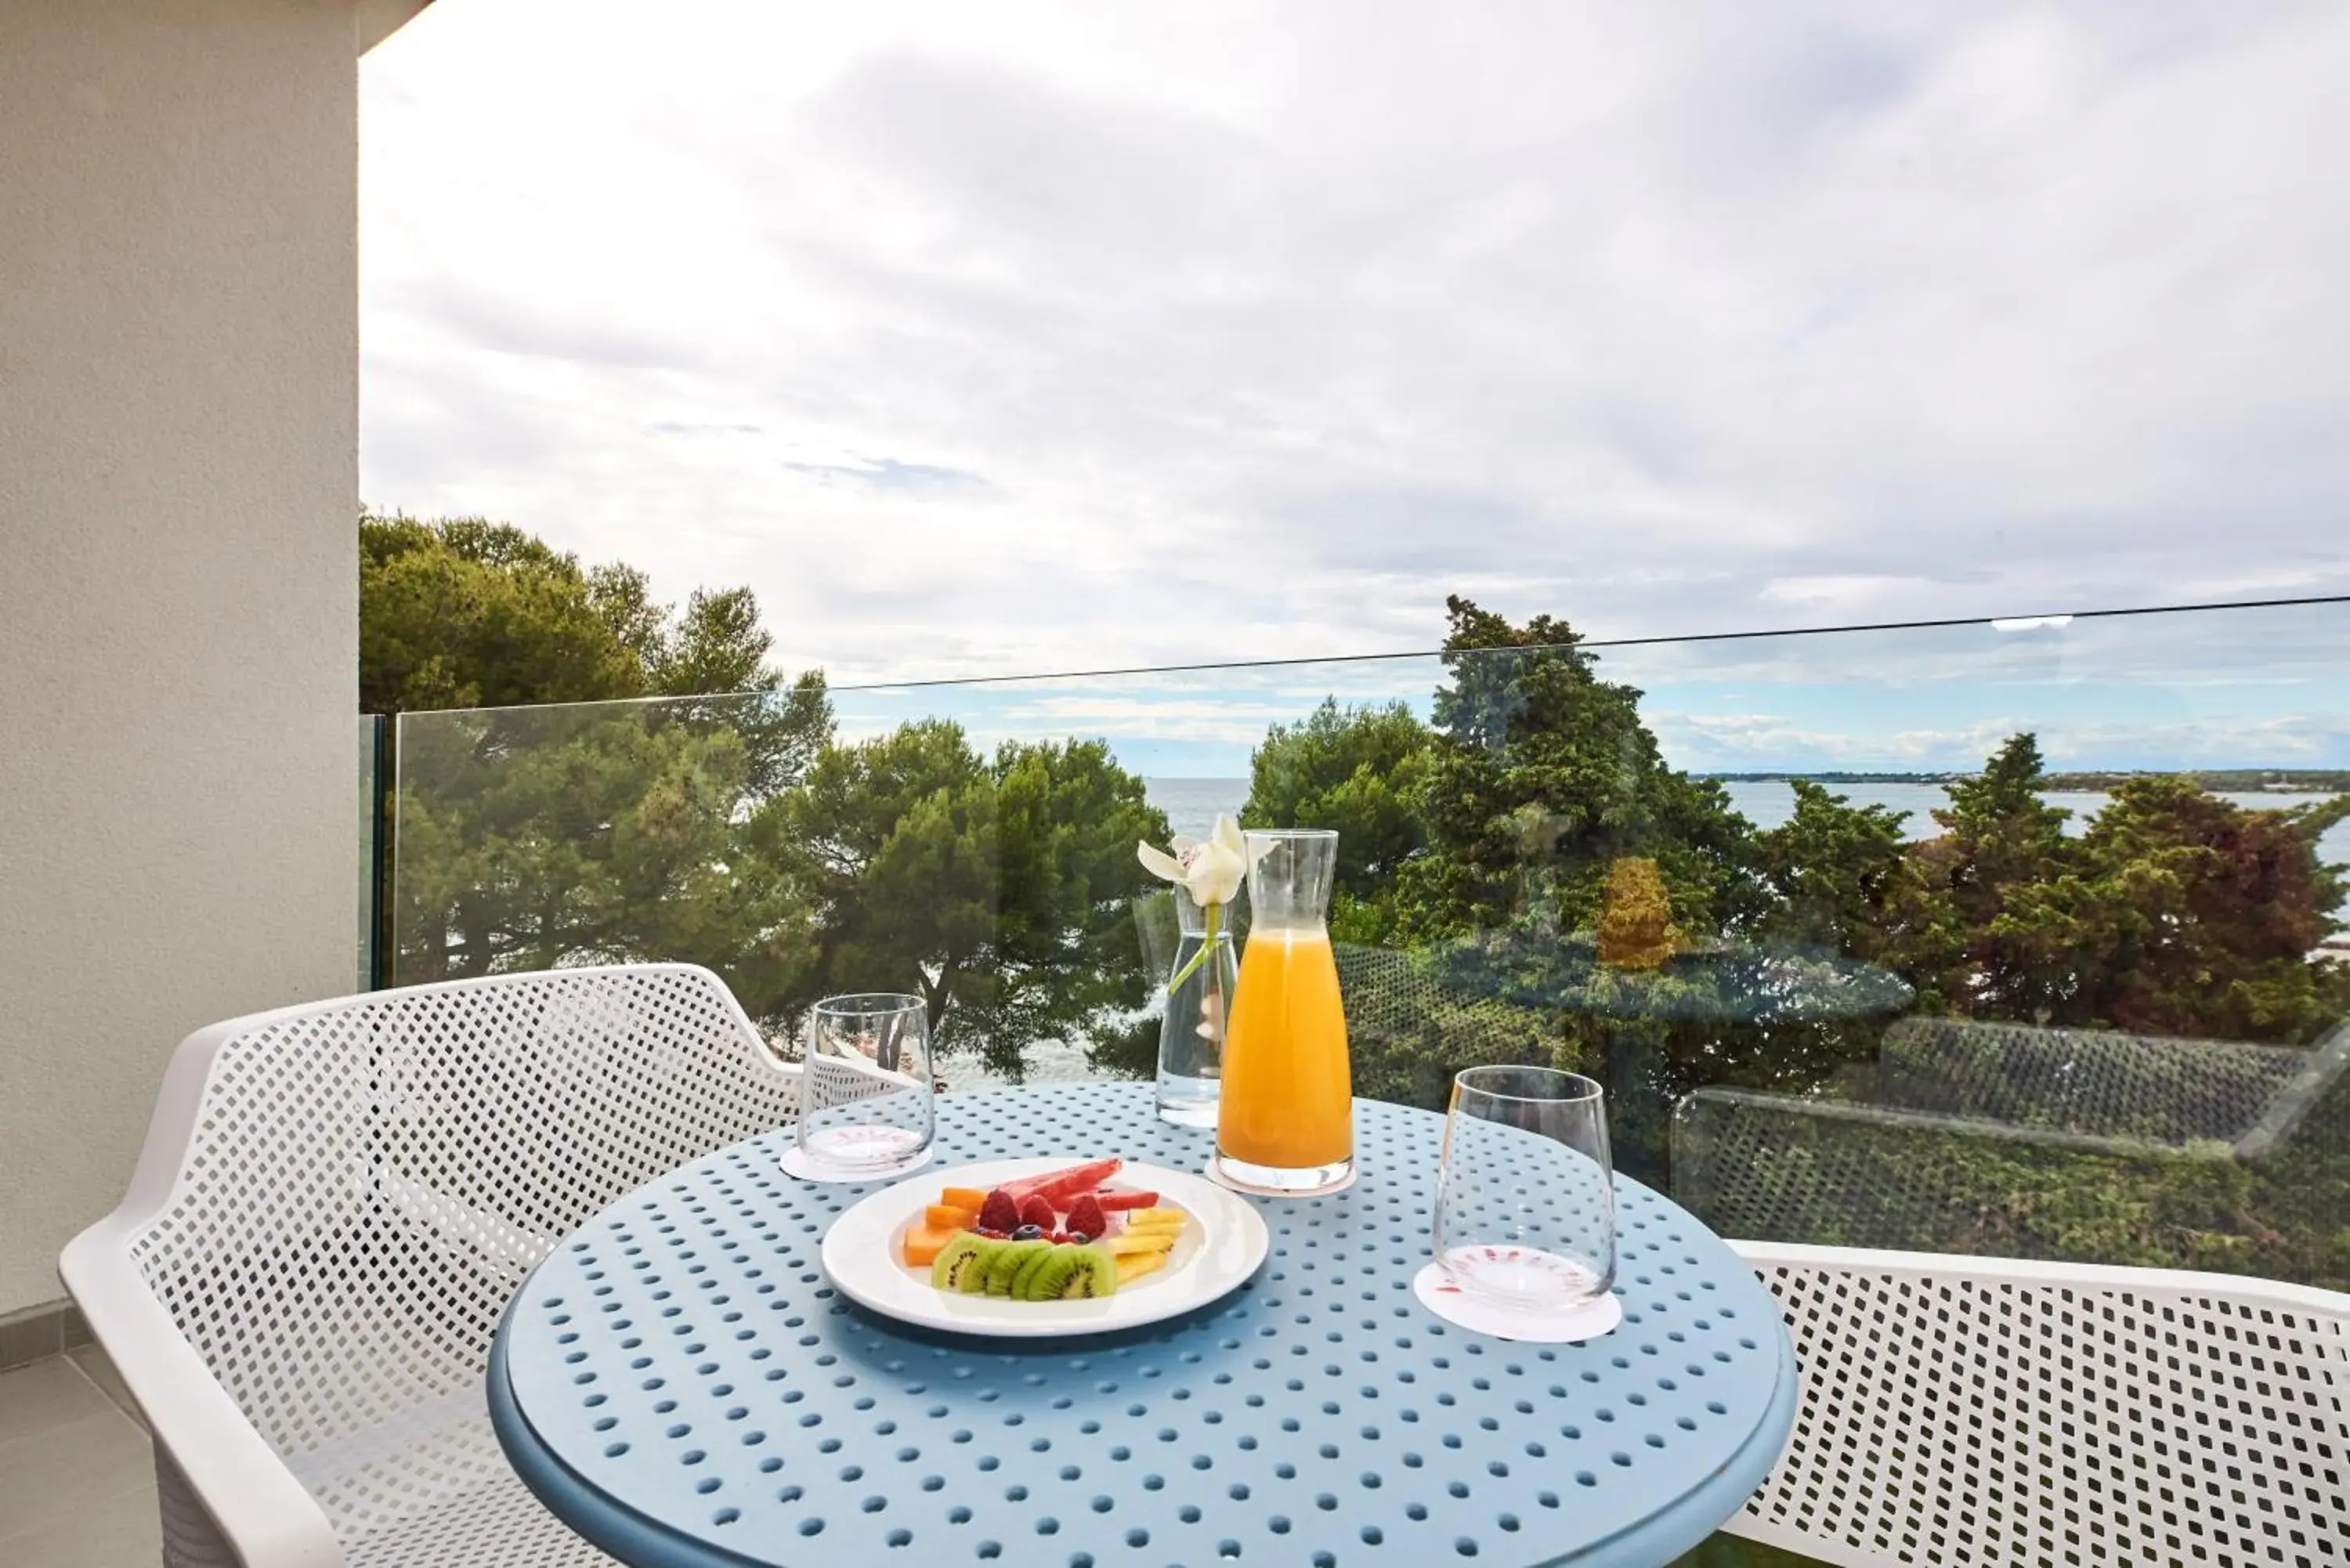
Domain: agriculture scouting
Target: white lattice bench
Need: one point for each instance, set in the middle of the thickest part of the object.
(1978, 1411)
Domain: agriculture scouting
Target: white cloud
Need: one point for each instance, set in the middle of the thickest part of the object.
(1845, 593)
(2295, 739)
(1043, 336)
(1210, 719)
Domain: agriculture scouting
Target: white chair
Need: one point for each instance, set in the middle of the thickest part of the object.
(1969, 1411)
(335, 1201)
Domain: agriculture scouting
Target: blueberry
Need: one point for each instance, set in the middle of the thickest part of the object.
(1078, 1238)
(1029, 1233)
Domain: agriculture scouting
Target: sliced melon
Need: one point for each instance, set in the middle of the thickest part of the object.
(923, 1243)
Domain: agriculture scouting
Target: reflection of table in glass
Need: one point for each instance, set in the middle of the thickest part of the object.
(678, 1382)
(1742, 985)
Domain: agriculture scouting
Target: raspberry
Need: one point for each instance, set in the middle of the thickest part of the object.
(1086, 1214)
(1037, 1210)
(999, 1212)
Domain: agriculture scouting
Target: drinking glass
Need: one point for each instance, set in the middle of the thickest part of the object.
(1525, 1202)
(866, 1098)
(1285, 1122)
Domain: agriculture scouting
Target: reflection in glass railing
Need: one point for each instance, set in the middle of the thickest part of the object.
(2010, 938)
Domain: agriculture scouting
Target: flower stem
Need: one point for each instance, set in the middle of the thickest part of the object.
(1207, 947)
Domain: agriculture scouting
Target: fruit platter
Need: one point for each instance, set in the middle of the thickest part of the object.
(1045, 1246)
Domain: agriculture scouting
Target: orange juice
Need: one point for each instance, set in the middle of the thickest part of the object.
(1288, 1099)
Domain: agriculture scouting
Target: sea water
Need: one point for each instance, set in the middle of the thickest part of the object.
(1191, 805)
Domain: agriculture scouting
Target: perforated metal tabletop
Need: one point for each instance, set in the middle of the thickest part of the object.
(680, 1384)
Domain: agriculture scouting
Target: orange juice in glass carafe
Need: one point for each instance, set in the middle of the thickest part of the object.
(1285, 1124)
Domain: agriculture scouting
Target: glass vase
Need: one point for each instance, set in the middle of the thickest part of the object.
(1199, 1001)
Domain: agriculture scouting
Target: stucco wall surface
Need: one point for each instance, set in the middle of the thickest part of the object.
(178, 561)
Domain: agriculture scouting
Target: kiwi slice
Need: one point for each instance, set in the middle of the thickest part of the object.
(1095, 1275)
(1071, 1273)
(1028, 1284)
(973, 1282)
(1009, 1259)
(1042, 1279)
(962, 1264)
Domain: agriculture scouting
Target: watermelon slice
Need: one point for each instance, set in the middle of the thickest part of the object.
(1065, 1187)
(1116, 1199)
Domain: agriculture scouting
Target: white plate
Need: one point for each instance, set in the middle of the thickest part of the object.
(1221, 1243)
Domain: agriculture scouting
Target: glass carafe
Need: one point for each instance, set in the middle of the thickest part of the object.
(1285, 1123)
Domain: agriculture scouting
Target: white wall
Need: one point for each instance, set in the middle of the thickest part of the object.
(178, 560)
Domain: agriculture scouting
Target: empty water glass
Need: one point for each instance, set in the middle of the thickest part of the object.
(866, 1098)
(1525, 1202)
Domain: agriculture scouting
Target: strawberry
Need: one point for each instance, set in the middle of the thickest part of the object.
(1000, 1212)
(1037, 1211)
(1086, 1214)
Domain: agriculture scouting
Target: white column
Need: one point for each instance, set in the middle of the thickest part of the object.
(178, 561)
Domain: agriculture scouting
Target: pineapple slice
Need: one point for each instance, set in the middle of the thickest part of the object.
(1139, 1243)
(1133, 1266)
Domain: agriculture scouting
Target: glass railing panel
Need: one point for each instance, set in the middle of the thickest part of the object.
(996, 881)
(373, 841)
(1905, 938)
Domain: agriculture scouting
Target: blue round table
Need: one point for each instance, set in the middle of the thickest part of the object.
(679, 1384)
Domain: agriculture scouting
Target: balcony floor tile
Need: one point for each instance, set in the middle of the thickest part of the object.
(76, 1477)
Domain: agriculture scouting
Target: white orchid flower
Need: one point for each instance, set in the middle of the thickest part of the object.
(1210, 870)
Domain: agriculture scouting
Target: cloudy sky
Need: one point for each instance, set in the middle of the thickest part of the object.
(981, 339)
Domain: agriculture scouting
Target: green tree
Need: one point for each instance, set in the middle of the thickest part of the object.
(1984, 916)
(539, 836)
(1541, 780)
(1829, 867)
(2209, 912)
(2176, 913)
(998, 889)
(465, 613)
(1363, 772)
(1544, 776)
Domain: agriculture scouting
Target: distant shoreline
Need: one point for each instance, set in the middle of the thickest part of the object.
(2226, 780)
(1766, 800)
(2221, 780)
